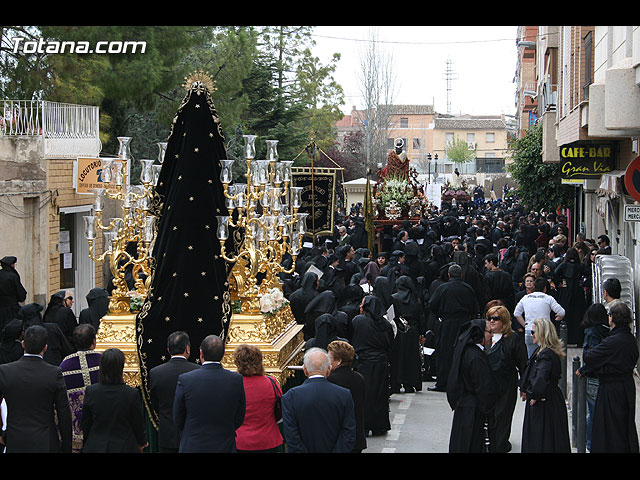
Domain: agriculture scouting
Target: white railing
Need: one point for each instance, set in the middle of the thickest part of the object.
(67, 130)
(49, 119)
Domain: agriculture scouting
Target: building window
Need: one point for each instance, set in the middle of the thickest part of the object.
(491, 137)
(415, 143)
(471, 138)
(448, 138)
(588, 57)
(404, 122)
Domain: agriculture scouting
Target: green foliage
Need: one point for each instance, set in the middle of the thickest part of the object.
(537, 183)
(458, 151)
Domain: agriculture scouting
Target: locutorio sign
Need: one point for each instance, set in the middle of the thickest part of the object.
(584, 160)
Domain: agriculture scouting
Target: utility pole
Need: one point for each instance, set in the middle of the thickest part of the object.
(449, 76)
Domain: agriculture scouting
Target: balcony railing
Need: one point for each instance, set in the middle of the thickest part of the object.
(49, 119)
(68, 130)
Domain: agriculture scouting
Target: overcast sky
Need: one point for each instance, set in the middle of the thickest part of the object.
(483, 62)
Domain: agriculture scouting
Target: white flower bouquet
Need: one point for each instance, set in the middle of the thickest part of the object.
(272, 301)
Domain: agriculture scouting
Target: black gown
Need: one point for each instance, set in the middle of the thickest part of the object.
(471, 391)
(568, 279)
(454, 303)
(300, 298)
(546, 426)
(12, 292)
(508, 359)
(406, 361)
(613, 361)
(372, 340)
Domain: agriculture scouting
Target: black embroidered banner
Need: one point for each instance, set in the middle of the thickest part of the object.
(320, 206)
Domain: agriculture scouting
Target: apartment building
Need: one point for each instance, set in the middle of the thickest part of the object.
(525, 78)
(40, 211)
(588, 100)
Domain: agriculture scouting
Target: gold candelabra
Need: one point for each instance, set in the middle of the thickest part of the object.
(135, 227)
(265, 209)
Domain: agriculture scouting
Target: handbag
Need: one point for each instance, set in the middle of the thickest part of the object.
(401, 322)
(277, 409)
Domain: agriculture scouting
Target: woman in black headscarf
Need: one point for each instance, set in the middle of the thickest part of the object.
(329, 327)
(371, 272)
(324, 302)
(11, 342)
(471, 390)
(299, 299)
(406, 361)
(383, 289)
(372, 340)
(55, 304)
(58, 346)
(98, 301)
(12, 293)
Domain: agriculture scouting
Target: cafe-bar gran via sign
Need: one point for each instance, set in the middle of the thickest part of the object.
(585, 160)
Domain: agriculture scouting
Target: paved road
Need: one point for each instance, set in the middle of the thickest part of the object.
(421, 421)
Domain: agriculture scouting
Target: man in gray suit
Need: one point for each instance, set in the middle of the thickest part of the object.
(34, 390)
(209, 405)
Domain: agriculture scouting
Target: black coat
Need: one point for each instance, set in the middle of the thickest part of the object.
(613, 361)
(11, 294)
(454, 302)
(546, 426)
(163, 379)
(354, 382)
(474, 404)
(112, 420)
(34, 392)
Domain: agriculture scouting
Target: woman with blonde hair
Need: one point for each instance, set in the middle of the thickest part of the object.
(508, 359)
(259, 432)
(546, 426)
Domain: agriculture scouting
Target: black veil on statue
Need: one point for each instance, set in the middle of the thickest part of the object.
(188, 290)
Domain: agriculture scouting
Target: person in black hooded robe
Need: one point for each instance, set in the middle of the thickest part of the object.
(471, 389)
(329, 327)
(353, 299)
(372, 341)
(300, 298)
(324, 302)
(58, 346)
(383, 289)
(454, 303)
(613, 361)
(406, 362)
(189, 288)
(98, 307)
(12, 292)
(60, 313)
(11, 342)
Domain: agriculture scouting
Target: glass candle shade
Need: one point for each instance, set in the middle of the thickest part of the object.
(249, 146)
(162, 147)
(226, 174)
(89, 227)
(106, 174)
(296, 197)
(155, 172)
(98, 202)
(223, 227)
(146, 174)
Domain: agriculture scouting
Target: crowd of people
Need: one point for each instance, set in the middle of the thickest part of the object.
(470, 298)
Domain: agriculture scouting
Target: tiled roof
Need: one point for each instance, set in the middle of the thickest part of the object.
(408, 109)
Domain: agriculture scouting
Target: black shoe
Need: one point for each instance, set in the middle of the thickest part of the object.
(435, 388)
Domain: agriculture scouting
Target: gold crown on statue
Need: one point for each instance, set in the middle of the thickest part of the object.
(200, 77)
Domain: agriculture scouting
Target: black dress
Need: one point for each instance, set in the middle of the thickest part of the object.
(568, 278)
(355, 383)
(300, 298)
(613, 361)
(372, 340)
(471, 391)
(508, 359)
(406, 362)
(12, 292)
(546, 427)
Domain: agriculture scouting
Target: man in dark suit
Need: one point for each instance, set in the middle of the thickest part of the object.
(318, 416)
(209, 405)
(34, 391)
(163, 380)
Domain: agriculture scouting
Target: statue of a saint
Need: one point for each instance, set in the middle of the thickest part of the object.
(397, 161)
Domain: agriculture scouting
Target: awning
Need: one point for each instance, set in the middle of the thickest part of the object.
(610, 184)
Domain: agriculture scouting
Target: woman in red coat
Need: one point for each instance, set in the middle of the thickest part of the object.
(259, 432)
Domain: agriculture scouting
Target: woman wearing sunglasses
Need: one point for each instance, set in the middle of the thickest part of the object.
(507, 355)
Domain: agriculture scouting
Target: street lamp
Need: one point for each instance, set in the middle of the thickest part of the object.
(429, 166)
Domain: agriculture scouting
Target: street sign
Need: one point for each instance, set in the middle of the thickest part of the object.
(632, 213)
(632, 179)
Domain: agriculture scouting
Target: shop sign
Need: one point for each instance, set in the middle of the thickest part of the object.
(586, 160)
